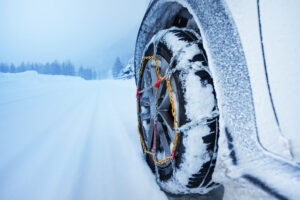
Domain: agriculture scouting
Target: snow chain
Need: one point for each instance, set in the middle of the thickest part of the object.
(170, 91)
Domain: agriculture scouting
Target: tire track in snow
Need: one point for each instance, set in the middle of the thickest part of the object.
(41, 137)
(29, 162)
(115, 165)
(86, 151)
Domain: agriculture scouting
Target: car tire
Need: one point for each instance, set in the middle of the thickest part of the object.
(180, 56)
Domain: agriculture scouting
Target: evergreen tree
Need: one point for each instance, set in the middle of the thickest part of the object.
(54, 68)
(21, 68)
(68, 68)
(4, 67)
(117, 68)
(128, 70)
(12, 68)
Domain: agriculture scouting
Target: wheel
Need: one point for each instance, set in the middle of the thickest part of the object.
(177, 112)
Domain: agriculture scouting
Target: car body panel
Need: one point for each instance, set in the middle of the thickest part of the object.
(281, 37)
(280, 32)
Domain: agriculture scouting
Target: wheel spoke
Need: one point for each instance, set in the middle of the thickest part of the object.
(164, 65)
(153, 78)
(160, 90)
(150, 134)
(145, 78)
(145, 116)
(163, 139)
(145, 101)
(168, 122)
(165, 103)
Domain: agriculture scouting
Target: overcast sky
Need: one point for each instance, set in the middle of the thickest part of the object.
(44, 30)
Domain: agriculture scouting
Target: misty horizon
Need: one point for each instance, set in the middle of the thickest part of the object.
(79, 31)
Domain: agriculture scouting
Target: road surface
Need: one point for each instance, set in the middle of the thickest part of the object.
(67, 138)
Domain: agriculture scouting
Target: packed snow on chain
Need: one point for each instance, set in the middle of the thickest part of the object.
(67, 138)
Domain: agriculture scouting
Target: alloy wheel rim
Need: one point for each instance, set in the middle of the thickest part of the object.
(156, 110)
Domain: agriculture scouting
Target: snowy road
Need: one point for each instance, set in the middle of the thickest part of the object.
(66, 138)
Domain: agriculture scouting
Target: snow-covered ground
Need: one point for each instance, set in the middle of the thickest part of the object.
(67, 138)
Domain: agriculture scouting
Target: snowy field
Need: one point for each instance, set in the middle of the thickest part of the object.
(67, 138)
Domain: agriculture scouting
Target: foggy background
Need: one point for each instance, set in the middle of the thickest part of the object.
(91, 34)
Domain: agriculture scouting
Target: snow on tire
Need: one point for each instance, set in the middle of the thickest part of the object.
(181, 56)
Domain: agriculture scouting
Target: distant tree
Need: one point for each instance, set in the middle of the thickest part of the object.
(12, 68)
(94, 75)
(117, 68)
(55, 68)
(89, 74)
(38, 67)
(4, 67)
(35, 66)
(128, 71)
(30, 66)
(86, 73)
(80, 72)
(46, 68)
(21, 67)
(68, 68)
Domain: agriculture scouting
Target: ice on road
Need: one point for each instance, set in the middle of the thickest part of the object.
(67, 138)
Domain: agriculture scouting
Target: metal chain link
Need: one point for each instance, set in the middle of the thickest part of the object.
(172, 102)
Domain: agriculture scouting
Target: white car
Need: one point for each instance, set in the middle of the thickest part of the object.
(218, 96)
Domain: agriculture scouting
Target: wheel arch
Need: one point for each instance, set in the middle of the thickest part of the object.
(224, 48)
